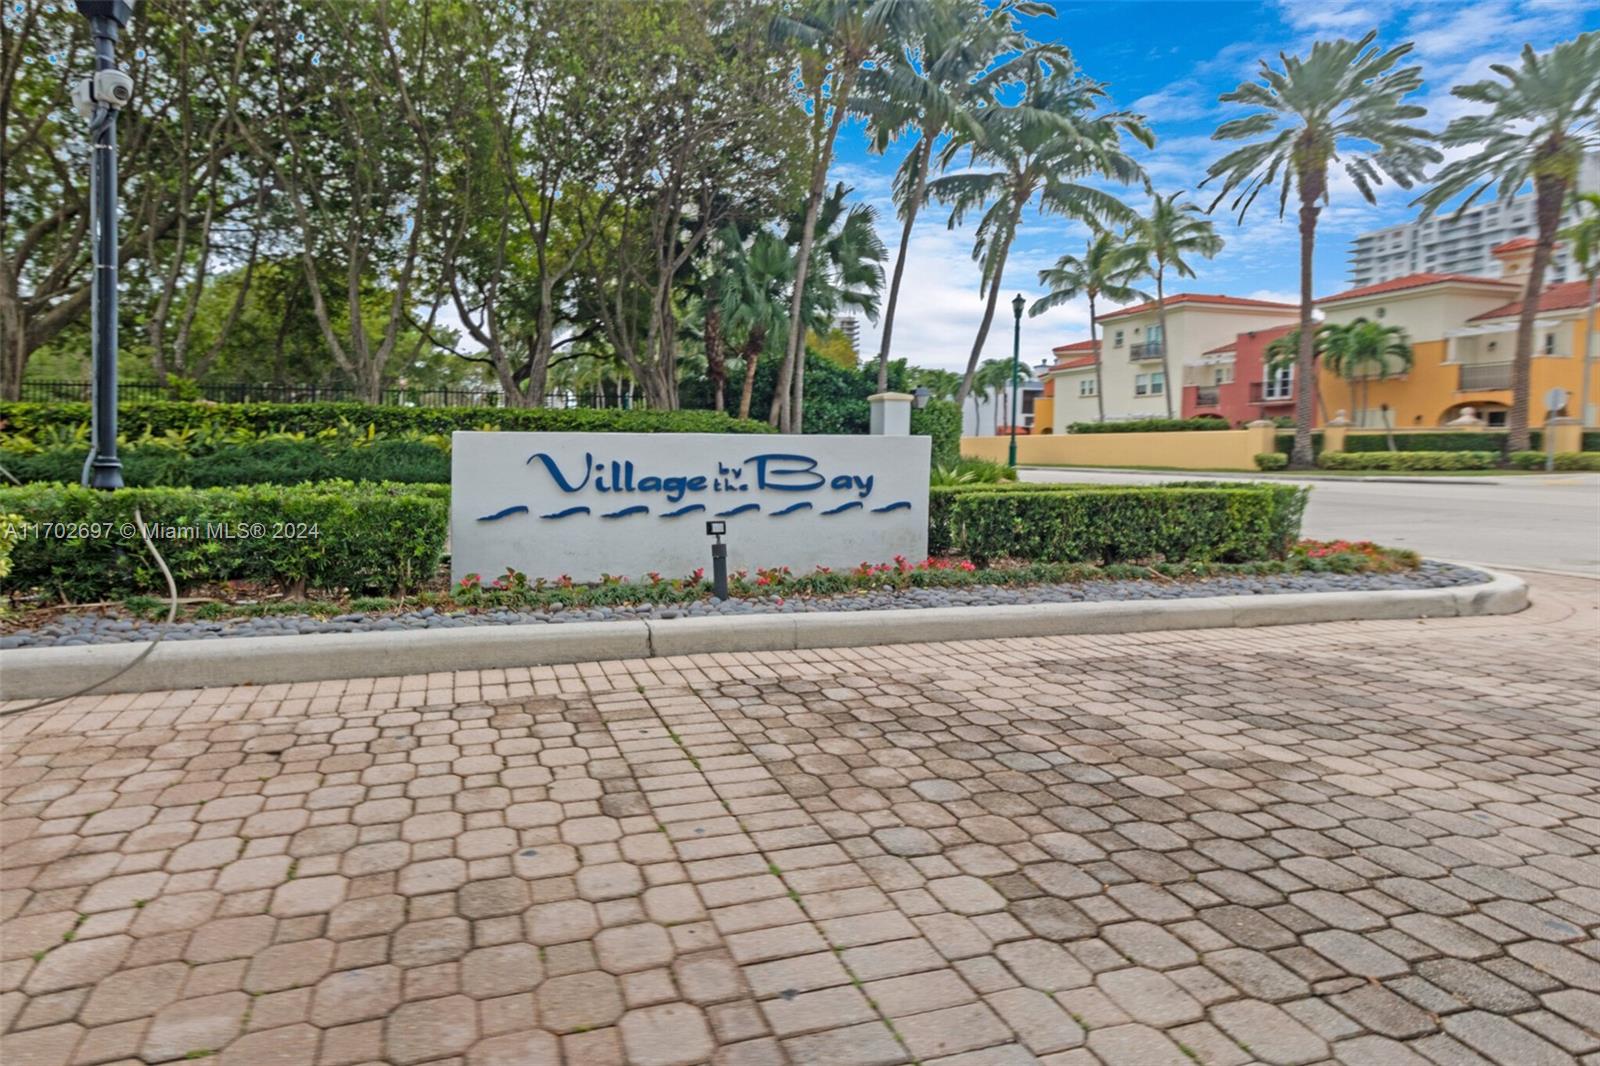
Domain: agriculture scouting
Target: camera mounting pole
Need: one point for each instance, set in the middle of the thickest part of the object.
(106, 20)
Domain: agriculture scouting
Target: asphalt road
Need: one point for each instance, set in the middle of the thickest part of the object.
(1537, 522)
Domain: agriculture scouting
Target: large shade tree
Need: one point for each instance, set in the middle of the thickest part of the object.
(1343, 104)
(1106, 270)
(1542, 114)
(1053, 147)
(1166, 235)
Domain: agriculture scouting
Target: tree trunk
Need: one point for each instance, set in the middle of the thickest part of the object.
(752, 354)
(912, 206)
(988, 318)
(1549, 193)
(1166, 342)
(1302, 457)
(716, 364)
(1094, 348)
(792, 373)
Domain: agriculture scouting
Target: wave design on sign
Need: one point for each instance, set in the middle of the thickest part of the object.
(898, 505)
(741, 509)
(686, 509)
(504, 512)
(803, 505)
(637, 508)
(580, 509)
(842, 508)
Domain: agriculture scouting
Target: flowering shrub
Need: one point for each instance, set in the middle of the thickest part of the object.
(1349, 557)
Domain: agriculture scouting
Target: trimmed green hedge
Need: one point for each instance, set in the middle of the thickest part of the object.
(1564, 460)
(1270, 460)
(1448, 460)
(1179, 521)
(941, 420)
(1448, 441)
(263, 462)
(1151, 425)
(137, 419)
(83, 545)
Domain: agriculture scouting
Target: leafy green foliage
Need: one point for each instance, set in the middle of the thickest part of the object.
(160, 417)
(268, 461)
(1182, 521)
(1564, 460)
(970, 471)
(1411, 460)
(941, 420)
(83, 545)
(1150, 425)
(1271, 461)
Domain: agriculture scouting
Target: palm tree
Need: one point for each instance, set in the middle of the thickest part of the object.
(1038, 148)
(941, 384)
(1343, 103)
(754, 303)
(948, 74)
(1169, 232)
(1542, 117)
(1584, 236)
(846, 272)
(1361, 350)
(838, 40)
(1107, 269)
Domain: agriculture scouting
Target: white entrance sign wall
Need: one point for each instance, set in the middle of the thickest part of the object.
(587, 504)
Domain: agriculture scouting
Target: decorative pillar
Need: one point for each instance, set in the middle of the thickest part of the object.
(1334, 432)
(1564, 434)
(891, 414)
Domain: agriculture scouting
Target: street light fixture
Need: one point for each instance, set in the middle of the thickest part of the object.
(99, 98)
(1017, 304)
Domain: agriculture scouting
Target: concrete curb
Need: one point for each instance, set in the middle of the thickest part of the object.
(39, 673)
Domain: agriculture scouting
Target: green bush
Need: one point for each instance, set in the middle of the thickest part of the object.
(10, 533)
(1150, 425)
(1448, 460)
(1564, 460)
(1284, 442)
(970, 471)
(158, 417)
(1460, 440)
(1116, 523)
(1271, 461)
(941, 420)
(82, 545)
(269, 461)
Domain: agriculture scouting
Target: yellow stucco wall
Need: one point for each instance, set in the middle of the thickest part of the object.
(1228, 449)
(1427, 395)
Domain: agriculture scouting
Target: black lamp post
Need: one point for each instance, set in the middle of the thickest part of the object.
(100, 96)
(1017, 304)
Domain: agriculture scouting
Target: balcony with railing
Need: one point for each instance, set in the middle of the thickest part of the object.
(1475, 377)
(1271, 392)
(1147, 350)
(1205, 395)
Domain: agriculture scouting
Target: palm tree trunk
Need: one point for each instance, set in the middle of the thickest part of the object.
(988, 311)
(785, 413)
(912, 205)
(1549, 192)
(1094, 347)
(1166, 343)
(1302, 457)
(752, 354)
(716, 360)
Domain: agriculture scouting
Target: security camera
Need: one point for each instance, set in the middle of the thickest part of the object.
(113, 88)
(83, 97)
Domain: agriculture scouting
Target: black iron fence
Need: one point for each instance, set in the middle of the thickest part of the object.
(256, 392)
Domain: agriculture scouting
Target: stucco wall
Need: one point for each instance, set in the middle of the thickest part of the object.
(1231, 449)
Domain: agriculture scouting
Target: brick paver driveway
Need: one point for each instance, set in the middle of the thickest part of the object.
(1364, 843)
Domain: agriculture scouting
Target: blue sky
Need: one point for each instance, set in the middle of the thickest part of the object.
(1170, 60)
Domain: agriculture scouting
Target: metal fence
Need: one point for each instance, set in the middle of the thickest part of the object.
(256, 392)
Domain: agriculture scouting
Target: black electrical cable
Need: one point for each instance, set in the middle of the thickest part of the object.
(172, 614)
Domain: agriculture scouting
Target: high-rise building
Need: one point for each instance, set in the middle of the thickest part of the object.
(1448, 243)
(850, 326)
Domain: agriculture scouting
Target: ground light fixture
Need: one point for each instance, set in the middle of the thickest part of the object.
(719, 559)
(1017, 304)
(99, 97)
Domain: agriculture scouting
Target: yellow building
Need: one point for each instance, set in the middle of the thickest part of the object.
(1462, 331)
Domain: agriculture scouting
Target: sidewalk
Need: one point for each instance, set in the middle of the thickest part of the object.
(1363, 842)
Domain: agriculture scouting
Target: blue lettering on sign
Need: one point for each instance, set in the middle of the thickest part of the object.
(788, 472)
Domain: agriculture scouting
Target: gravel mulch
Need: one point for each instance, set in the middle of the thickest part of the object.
(103, 628)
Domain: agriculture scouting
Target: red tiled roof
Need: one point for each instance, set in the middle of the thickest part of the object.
(1075, 346)
(1516, 244)
(1410, 281)
(1210, 299)
(1221, 348)
(1073, 364)
(1555, 298)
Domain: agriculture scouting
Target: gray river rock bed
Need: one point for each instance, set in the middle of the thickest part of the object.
(102, 628)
